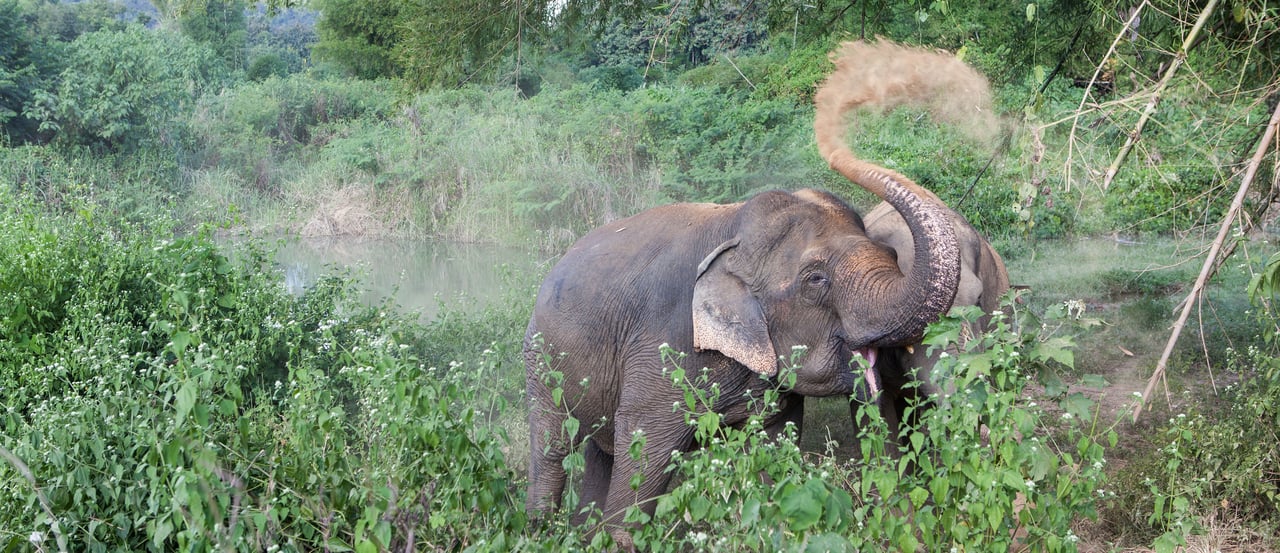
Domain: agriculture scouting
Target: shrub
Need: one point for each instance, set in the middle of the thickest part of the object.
(135, 187)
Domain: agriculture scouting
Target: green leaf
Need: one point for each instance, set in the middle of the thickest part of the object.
(918, 497)
(1093, 381)
(800, 507)
(1055, 349)
(1168, 542)
(162, 530)
(185, 400)
(1053, 386)
(181, 340)
(823, 543)
(1078, 404)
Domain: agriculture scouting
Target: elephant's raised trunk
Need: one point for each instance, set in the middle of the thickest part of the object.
(928, 288)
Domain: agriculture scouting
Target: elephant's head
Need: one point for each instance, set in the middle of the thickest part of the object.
(801, 272)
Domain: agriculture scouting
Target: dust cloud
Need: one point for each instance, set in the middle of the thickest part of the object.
(884, 75)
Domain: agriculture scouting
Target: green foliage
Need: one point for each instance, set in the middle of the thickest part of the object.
(450, 42)
(1219, 455)
(1210, 459)
(286, 35)
(1119, 283)
(137, 188)
(614, 77)
(715, 147)
(163, 396)
(780, 73)
(65, 21)
(253, 126)
(122, 90)
(267, 65)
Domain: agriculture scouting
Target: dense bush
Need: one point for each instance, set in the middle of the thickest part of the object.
(163, 396)
(27, 60)
(256, 125)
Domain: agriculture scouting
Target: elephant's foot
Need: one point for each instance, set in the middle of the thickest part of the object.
(622, 539)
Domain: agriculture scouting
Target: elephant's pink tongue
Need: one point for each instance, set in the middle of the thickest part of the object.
(873, 379)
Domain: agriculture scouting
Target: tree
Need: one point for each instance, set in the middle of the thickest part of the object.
(360, 35)
(123, 89)
(220, 24)
(22, 69)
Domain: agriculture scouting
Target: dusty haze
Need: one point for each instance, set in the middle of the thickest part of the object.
(884, 75)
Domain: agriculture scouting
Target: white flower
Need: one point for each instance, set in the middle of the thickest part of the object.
(1031, 484)
(36, 538)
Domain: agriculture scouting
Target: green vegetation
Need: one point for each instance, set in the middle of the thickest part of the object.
(161, 395)
(165, 393)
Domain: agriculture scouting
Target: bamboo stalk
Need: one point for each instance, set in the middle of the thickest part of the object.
(1156, 94)
(1197, 290)
(1075, 119)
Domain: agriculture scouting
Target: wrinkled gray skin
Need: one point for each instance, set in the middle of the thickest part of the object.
(983, 280)
(734, 286)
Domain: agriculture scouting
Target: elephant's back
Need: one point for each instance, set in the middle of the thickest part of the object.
(625, 265)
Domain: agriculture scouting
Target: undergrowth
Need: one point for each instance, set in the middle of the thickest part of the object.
(161, 394)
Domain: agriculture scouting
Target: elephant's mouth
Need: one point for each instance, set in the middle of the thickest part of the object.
(873, 377)
(870, 374)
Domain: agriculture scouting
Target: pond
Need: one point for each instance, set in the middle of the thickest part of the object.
(420, 275)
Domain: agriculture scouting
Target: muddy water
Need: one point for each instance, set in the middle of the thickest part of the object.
(420, 275)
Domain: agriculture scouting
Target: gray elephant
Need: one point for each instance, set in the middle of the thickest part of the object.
(734, 287)
(983, 281)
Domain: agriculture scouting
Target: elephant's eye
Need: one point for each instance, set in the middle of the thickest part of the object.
(816, 279)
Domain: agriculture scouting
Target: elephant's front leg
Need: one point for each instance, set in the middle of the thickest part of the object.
(548, 448)
(790, 410)
(662, 432)
(595, 480)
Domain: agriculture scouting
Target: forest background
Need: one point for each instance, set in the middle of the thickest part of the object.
(133, 133)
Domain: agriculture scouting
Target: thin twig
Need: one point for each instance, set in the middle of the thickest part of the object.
(1198, 289)
(44, 500)
(1156, 94)
(740, 73)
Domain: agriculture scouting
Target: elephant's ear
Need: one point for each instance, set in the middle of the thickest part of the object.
(727, 318)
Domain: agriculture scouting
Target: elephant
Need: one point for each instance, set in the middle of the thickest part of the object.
(983, 281)
(734, 287)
